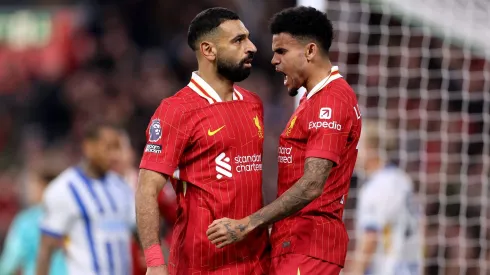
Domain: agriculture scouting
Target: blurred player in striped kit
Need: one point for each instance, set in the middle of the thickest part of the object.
(389, 227)
(90, 210)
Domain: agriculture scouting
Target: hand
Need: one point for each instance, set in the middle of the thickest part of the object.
(157, 270)
(226, 231)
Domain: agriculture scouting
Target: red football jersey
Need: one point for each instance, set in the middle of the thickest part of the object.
(213, 152)
(326, 124)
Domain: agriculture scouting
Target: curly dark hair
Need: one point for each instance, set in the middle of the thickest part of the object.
(206, 22)
(304, 23)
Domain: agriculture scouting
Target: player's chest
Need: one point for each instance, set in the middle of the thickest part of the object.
(292, 142)
(296, 130)
(225, 125)
(112, 222)
(103, 207)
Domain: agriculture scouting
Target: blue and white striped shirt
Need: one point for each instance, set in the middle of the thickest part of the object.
(96, 217)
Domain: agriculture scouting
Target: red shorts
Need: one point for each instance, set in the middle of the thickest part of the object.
(249, 268)
(297, 264)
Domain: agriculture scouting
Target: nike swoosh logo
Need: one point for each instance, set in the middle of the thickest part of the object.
(212, 133)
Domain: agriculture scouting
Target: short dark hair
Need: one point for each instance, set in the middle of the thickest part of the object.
(206, 22)
(304, 22)
(92, 129)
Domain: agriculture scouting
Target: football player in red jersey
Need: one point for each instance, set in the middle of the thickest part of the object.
(207, 141)
(317, 153)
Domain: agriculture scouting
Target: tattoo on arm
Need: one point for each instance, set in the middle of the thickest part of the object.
(305, 190)
(241, 227)
(231, 232)
(147, 214)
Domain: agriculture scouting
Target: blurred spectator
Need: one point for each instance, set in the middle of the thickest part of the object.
(389, 229)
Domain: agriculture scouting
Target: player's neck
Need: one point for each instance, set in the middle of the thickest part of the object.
(91, 171)
(222, 86)
(318, 73)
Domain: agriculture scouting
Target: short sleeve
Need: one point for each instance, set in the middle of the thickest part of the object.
(58, 210)
(166, 138)
(329, 121)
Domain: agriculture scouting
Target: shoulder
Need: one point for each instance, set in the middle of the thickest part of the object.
(389, 180)
(60, 191)
(335, 100)
(183, 101)
(339, 90)
(116, 178)
(392, 175)
(248, 95)
(403, 181)
(61, 183)
(119, 181)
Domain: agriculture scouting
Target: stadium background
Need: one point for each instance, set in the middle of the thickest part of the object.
(65, 63)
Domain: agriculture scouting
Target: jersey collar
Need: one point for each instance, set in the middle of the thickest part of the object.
(203, 89)
(85, 177)
(334, 74)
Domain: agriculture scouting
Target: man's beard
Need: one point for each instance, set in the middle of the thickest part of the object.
(233, 72)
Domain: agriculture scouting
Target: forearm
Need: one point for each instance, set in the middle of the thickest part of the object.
(310, 186)
(44, 259)
(43, 264)
(147, 212)
(293, 200)
(305, 190)
(148, 218)
(225, 231)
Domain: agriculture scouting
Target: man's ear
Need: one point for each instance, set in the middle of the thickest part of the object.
(208, 50)
(311, 50)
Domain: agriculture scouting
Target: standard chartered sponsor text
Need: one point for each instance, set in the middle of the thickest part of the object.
(284, 154)
(248, 163)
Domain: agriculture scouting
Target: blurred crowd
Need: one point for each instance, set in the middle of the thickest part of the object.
(115, 61)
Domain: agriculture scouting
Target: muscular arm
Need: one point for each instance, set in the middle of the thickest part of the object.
(48, 245)
(147, 215)
(305, 190)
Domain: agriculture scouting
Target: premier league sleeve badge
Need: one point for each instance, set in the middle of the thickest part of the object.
(155, 130)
